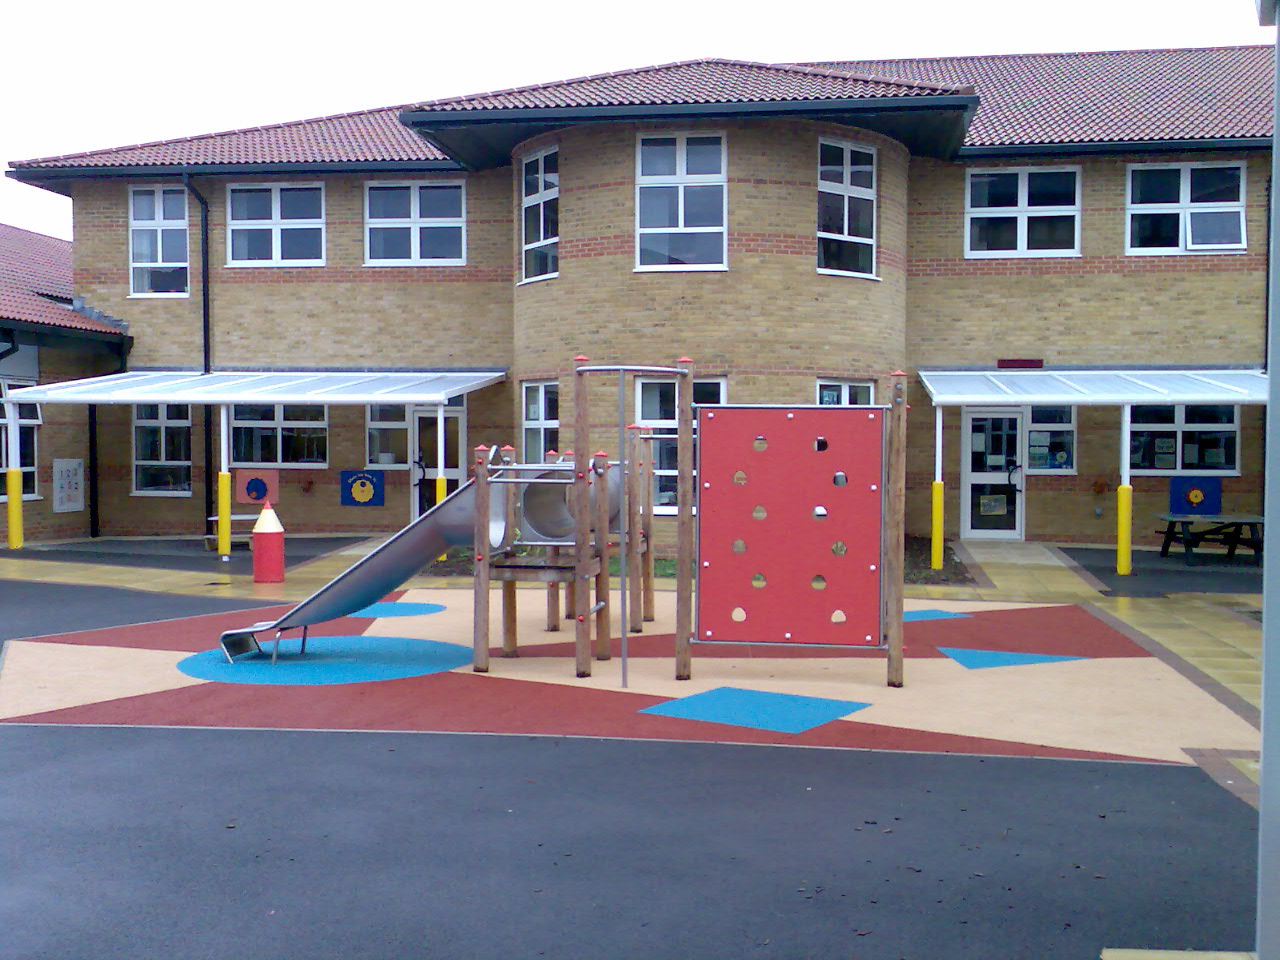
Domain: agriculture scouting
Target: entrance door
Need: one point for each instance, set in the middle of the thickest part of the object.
(991, 499)
(426, 447)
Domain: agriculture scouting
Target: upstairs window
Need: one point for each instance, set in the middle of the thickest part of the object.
(540, 208)
(680, 202)
(279, 435)
(162, 449)
(1185, 208)
(157, 242)
(275, 225)
(1184, 438)
(1033, 212)
(28, 426)
(411, 224)
(846, 208)
(541, 419)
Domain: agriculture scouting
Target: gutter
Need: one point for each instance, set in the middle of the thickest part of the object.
(206, 346)
(448, 119)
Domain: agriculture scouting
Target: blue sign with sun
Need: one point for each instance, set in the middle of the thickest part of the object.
(361, 488)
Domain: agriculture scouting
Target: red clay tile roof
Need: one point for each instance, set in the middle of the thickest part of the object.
(699, 81)
(32, 264)
(1124, 95)
(369, 135)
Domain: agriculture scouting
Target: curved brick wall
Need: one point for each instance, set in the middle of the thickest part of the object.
(770, 322)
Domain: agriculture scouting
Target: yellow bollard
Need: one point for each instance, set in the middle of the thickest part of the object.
(1124, 529)
(440, 490)
(935, 546)
(13, 489)
(224, 514)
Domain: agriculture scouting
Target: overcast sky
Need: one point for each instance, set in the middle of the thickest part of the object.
(93, 76)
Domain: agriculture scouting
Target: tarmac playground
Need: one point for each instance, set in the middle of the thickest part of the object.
(1067, 771)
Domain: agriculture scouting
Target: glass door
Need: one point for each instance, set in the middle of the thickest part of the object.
(991, 498)
(427, 465)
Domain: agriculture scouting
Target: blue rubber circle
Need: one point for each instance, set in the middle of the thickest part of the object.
(330, 660)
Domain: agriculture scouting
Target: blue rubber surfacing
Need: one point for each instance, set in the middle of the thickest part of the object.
(985, 659)
(778, 712)
(330, 660)
(398, 608)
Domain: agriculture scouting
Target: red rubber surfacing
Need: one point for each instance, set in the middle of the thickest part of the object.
(763, 474)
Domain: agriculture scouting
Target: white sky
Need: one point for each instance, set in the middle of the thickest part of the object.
(94, 76)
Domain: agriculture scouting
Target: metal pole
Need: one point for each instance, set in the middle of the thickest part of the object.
(1269, 777)
(935, 546)
(1124, 501)
(13, 475)
(623, 542)
(440, 484)
(224, 483)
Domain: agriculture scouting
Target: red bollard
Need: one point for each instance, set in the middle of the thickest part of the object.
(268, 547)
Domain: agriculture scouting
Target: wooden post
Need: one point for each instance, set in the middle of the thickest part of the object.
(510, 642)
(604, 613)
(635, 534)
(893, 564)
(582, 523)
(480, 628)
(646, 519)
(684, 521)
(553, 597)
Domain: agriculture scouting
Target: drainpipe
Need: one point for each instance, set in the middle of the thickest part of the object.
(95, 515)
(206, 343)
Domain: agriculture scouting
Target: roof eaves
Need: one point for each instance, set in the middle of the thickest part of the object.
(1112, 146)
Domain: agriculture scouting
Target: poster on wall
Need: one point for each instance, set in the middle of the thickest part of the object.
(68, 486)
(361, 488)
(254, 486)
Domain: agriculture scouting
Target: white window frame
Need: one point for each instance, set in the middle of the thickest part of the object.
(1184, 208)
(668, 429)
(370, 425)
(1029, 426)
(1178, 428)
(281, 424)
(277, 224)
(1022, 212)
(6, 384)
(846, 388)
(157, 225)
(414, 222)
(541, 424)
(539, 199)
(846, 189)
(681, 180)
(163, 422)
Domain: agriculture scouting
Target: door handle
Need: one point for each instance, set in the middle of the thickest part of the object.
(1016, 488)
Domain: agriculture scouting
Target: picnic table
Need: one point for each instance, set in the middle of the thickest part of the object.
(1232, 530)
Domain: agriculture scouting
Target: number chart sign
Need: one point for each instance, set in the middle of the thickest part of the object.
(68, 486)
(789, 525)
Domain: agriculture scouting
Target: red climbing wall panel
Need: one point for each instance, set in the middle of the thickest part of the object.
(789, 518)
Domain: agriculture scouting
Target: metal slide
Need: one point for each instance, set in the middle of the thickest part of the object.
(449, 523)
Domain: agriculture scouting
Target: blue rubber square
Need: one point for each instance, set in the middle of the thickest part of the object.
(912, 615)
(779, 712)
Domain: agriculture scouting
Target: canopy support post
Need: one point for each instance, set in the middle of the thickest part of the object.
(1124, 500)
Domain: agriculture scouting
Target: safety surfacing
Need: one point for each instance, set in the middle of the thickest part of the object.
(981, 678)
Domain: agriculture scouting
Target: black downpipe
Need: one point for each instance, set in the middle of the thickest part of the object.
(95, 512)
(206, 342)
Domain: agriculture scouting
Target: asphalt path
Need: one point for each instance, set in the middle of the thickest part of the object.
(145, 843)
(33, 608)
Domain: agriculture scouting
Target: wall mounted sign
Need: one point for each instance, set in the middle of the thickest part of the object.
(361, 488)
(68, 486)
(254, 486)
